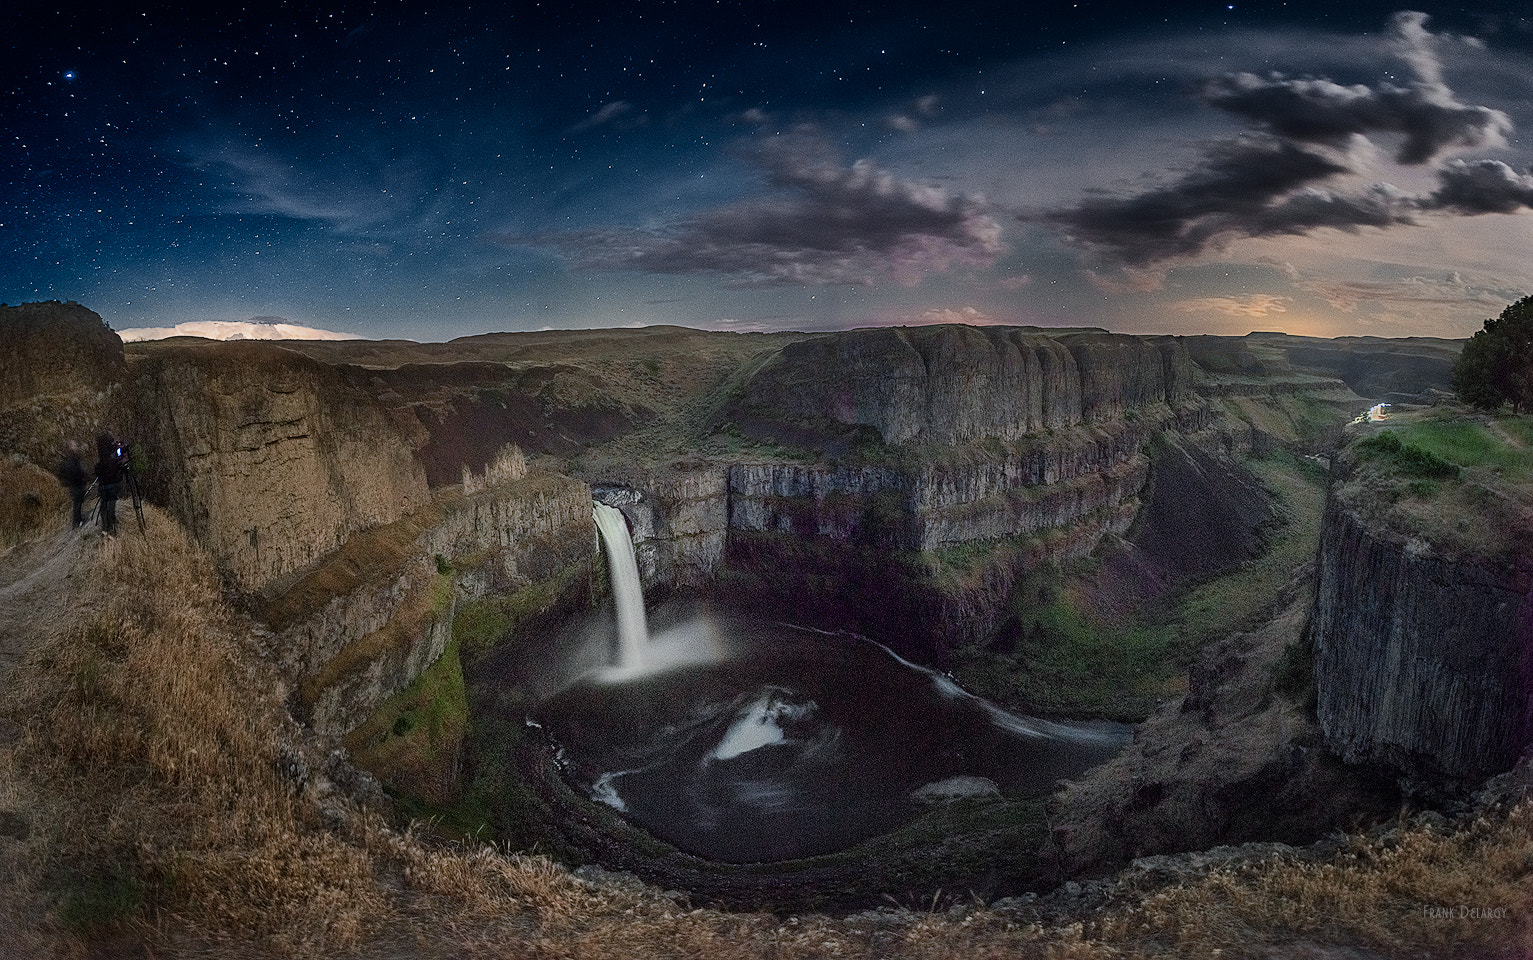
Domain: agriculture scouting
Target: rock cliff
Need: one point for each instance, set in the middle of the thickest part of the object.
(63, 368)
(362, 625)
(270, 459)
(1423, 648)
(679, 520)
(1237, 759)
(954, 384)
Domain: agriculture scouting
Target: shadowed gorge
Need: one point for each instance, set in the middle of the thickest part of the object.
(1101, 619)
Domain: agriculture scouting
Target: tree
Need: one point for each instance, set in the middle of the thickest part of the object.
(1496, 365)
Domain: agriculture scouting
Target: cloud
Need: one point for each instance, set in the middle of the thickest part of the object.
(1316, 110)
(1288, 176)
(1231, 192)
(256, 329)
(608, 114)
(1481, 186)
(1407, 293)
(273, 185)
(1250, 305)
(822, 222)
(910, 121)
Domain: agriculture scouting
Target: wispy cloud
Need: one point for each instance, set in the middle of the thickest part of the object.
(618, 111)
(269, 183)
(1411, 293)
(1250, 305)
(822, 222)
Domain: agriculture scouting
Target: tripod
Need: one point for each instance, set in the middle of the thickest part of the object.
(131, 479)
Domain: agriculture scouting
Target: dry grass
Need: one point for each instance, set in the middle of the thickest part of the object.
(148, 764)
(31, 499)
(1416, 891)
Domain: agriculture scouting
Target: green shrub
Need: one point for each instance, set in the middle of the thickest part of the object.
(1408, 459)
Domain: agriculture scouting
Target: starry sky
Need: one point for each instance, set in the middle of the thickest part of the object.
(429, 171)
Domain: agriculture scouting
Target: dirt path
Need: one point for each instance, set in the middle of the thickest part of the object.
(43, 584)
(40, 586)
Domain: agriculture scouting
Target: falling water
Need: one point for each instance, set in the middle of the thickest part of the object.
(627, 593)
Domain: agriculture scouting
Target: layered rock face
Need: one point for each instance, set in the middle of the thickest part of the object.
(1423, 662)
(63, 367)
(989, 436)
(679, 521)
(270, 459)
(955, 384)
(1059, 480)
(364, 624)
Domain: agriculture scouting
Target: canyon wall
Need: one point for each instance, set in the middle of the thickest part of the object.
(271, 459)
(362, 625)
(955, 384)
(878, 459)
(679, 520)
(1423, 656)
(1009, 445)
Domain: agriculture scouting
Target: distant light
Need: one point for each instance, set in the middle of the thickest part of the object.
(69, 74)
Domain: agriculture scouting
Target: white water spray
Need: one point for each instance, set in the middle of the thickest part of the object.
(627, 592)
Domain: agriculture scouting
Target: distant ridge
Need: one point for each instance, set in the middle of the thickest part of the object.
(256, 328)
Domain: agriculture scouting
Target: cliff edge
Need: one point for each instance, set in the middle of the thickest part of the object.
(1423, 619)
(62, 369)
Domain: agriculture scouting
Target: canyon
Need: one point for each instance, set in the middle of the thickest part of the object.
(405, 522)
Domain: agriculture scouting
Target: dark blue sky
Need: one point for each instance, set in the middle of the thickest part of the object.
(430, 171)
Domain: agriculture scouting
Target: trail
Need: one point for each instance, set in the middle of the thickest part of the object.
(41, 583)
(44, 583)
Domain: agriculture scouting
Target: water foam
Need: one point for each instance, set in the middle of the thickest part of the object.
(760, 725)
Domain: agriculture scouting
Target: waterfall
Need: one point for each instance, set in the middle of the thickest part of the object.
(627, 592)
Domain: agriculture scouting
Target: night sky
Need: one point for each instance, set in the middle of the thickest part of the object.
(430, 171)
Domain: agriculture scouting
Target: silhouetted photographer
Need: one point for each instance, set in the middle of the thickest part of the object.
(73, 476)
(114, 470)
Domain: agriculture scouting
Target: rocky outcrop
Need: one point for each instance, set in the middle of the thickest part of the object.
(363, 625)
(1237, 760)
(679, 521)
(270, 459)
(63, 367)
(955, 384)
(1424, 659)
(514, 534)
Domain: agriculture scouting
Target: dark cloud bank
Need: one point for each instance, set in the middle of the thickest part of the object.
(1294, 170)
(1308, 132)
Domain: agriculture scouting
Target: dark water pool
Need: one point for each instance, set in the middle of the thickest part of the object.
(746, 742)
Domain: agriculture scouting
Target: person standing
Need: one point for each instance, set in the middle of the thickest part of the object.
(109, 476)
(73, 476)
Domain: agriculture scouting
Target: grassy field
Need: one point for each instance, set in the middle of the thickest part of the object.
(1462, 481)
(1499, 446)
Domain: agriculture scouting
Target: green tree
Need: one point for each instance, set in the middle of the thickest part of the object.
(1496, 365)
